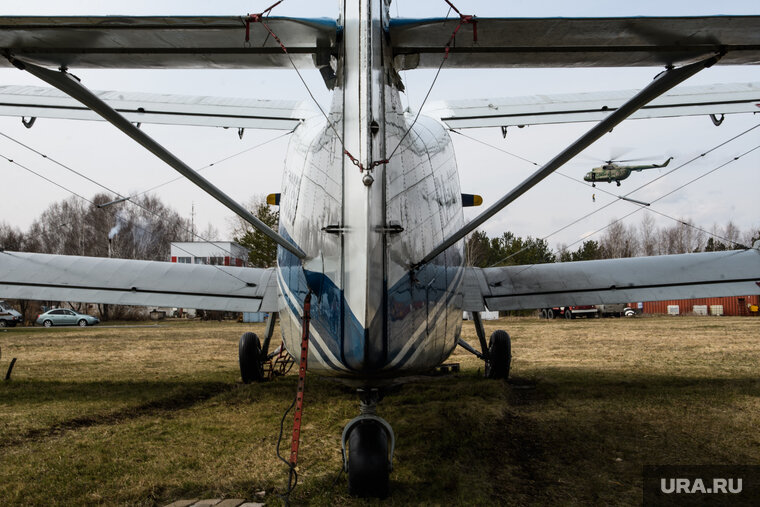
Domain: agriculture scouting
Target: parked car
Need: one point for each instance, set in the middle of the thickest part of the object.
(8, 316)
(64, 317)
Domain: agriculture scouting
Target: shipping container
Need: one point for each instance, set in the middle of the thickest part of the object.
(732, 306)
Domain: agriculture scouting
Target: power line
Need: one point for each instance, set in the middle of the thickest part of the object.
(119, 195)
(734, 159)
(617, 196)
(136, 225)
(151, 189)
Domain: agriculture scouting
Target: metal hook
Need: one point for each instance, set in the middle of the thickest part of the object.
(716, 121)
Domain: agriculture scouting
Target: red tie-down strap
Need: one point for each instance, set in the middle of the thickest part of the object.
(464, 19)
(259, 18)
(301, 382)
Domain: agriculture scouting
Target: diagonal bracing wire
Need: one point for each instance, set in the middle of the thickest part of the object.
(148, 210)
(737, 136)
(212, 164)
(119, 196)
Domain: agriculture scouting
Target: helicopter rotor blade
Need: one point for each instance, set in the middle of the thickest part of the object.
(637, 159)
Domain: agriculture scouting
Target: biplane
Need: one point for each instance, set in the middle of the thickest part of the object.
(370, 240)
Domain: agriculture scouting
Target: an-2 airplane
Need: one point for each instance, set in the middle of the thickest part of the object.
(611, 171)
(371, 222)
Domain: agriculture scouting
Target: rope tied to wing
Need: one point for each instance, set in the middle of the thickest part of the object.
(464, 19)
(259, 18)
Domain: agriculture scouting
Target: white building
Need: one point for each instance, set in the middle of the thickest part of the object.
(219, 253)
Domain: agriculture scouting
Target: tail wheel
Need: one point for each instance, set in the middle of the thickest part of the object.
(500, 355)
(249, 355)
(368, 467)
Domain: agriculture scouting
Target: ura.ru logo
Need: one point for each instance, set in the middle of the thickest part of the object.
(717, 485)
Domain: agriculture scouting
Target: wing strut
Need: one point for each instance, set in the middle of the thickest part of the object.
(661, 84)
(72, 87)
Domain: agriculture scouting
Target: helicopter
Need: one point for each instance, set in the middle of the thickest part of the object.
(611, 171)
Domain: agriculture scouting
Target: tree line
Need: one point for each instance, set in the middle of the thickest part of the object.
(618, 240)
(140, 229)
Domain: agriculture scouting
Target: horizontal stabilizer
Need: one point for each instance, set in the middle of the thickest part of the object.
(657, 278)
(131, 282)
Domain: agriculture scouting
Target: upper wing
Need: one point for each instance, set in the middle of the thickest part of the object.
(130, 282)
(685, 276)
(203, 42)
(219, 42)
(166, 109)
(575, 42)
(595, 106)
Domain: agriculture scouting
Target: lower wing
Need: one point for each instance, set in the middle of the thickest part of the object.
(130, 282)
(657, 278)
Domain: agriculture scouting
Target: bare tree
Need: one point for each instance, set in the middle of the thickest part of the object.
(648, 233)
(619, 241)
(732, 234)
(11, 238)
(211, 233)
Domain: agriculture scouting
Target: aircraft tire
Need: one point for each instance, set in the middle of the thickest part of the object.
(500, 353)
(249, 356)
(368, 468)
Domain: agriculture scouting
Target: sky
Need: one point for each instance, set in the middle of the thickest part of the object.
(109, 157)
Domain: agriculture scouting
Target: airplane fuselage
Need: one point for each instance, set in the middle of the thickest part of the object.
(364, 218)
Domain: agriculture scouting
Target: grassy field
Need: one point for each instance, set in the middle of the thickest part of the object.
(148, 415)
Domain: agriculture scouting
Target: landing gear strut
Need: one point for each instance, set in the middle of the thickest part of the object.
(367, 444)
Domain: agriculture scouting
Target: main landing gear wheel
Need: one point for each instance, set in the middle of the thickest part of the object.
(249, 355)
(500, 355)
(368, 464)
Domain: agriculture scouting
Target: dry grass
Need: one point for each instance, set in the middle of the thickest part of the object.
(145, 416)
